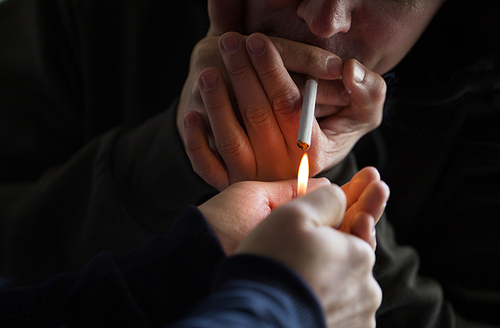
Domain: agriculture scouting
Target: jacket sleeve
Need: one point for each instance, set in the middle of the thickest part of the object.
(410, 300)
(71, 73)
(149, 286)
(168, 280)
(114, 194)
(253, 291)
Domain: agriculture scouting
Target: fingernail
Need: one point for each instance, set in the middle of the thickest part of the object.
(230, 43)
(334, 67)
(359, 73)
(190, 120)
(256, 45)
(209, 80)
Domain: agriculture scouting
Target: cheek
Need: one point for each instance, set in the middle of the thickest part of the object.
(389, 37)
(383, 43)
(388, 46)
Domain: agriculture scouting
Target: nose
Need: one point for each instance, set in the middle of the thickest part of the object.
(326, 18)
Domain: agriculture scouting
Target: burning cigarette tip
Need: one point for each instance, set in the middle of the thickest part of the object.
(303, 145)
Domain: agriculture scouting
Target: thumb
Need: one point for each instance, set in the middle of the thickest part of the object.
(367, 90)
(225, 15)
(324, 206)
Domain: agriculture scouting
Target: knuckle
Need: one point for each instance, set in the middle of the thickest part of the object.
(259, 116)
(372, 323)
(312, 59)
(294, 213)
(205, 170)
(208, 172)
(204, 50)
(372, 299)
(278, 44)
(379, 89)
(270, 74)
(374, 294)
(375, 121)
(283, 103)
(213, 105)
(231, 147)
(281, 100)
(193, 147)
(238, 71)
(362, 254)
(378, 296)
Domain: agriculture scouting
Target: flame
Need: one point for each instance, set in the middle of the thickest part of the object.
(303, 176)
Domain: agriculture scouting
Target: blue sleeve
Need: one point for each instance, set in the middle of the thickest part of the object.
(179, 277)
(251, 291)
(152, 285)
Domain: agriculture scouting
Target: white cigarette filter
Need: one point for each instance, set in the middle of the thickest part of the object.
(307, 114)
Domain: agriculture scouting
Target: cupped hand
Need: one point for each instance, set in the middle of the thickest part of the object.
(252, 105)
(338, 266)
(367, 196)
(236, 211)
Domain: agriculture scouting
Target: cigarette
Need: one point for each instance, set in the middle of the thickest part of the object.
(307, 114)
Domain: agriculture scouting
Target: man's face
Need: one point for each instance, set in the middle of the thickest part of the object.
(378, 33)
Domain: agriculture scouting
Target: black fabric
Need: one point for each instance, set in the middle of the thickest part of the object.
(158, 284)
(91, 159)
(441, 142)
(271, 284)
(59, 202)
(71, 70)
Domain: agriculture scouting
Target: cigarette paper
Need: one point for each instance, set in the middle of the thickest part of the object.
(307, 114)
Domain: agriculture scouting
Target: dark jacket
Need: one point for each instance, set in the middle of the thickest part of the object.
(92, 161)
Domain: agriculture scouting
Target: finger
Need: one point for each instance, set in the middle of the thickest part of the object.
(323, 207)
(331, 99)
(308, 60)
(354, 188)
(205, 163)
(367, 92)
(363, 226)
(205, 53)
(229, 136)
(283, 191)
(282, 93)
(225, 15)
(372, 200)
(261, 126)
(301, 59)
(267, 196)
